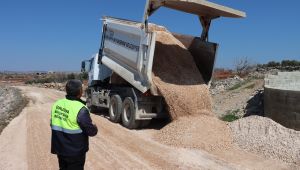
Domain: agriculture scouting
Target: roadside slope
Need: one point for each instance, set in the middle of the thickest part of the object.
(11, 104)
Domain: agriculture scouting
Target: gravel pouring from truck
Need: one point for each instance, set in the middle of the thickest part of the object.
(127, 50)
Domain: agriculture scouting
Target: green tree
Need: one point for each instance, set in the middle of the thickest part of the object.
(290, 63)
(273, 64)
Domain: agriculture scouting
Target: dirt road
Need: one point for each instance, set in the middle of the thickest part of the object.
(25, 144)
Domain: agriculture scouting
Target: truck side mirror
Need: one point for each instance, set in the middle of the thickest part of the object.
(83, 66)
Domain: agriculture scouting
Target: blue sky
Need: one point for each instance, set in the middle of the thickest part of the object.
(58, 34)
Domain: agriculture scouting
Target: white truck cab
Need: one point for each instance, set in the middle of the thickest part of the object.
(95, 70)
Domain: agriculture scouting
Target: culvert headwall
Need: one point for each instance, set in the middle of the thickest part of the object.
(282, 98)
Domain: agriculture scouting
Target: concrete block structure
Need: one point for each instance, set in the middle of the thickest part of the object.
(282, 98)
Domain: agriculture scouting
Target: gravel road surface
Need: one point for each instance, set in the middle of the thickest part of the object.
(25, 144)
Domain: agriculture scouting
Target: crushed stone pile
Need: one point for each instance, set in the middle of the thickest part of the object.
(262, 135)
(196, 132)
(178, 79)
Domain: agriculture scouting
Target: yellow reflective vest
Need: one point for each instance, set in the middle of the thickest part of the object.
(64, 116)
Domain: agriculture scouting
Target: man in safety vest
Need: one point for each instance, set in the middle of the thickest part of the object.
(71, 126)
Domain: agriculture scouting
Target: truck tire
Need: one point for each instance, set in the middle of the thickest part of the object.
(92, 108)
(128, 114)
(89, 104)
(115, 108)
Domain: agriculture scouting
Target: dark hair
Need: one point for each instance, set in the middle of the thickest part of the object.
(73, 87)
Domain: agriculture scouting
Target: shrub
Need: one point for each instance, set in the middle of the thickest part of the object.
(290, 63)
(57, 78)
(71, 76)
(273, 64)
(82, 76)
(231, 116)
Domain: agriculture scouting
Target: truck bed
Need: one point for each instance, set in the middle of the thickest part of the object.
(128, 51)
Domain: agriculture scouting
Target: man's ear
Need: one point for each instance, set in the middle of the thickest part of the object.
(80, 93)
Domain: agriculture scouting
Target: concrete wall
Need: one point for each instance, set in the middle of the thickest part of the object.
(282, 99)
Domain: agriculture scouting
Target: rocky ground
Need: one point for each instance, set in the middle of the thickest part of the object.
(11, 103)
(252, 131)
(57, 86)
(241, 97)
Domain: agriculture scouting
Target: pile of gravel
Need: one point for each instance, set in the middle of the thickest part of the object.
(264, 136)
(11, 104)
(196, 132)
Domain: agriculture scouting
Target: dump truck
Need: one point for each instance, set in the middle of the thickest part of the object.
(127, 50)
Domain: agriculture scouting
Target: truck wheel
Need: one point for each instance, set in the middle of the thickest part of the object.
(128, 114)
(88, 102)
(115, 108)
(92, 108)
(89, 105)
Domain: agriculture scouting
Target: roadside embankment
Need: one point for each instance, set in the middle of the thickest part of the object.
(11, 104)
